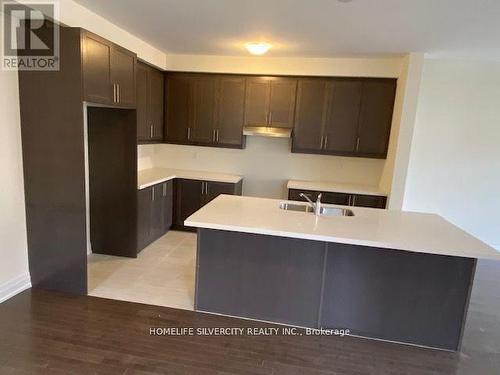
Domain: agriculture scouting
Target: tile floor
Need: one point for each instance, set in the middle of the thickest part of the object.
(163, 273)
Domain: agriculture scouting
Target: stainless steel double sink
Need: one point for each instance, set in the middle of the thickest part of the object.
(323, 211)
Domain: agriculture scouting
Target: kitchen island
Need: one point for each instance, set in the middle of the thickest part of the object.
(388, 275)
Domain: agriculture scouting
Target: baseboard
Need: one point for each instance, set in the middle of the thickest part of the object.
(14, 286)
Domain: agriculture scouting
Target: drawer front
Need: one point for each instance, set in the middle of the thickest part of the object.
(372, 201)
(335, 198)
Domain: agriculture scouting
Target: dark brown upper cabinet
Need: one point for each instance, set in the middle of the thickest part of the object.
(205, 110)
(178, 92)
(270, 101)
(149, 104)
(377, 105)
(202, 109)
(310, 115)
(108, 72)
(230, 111)
(344, 116)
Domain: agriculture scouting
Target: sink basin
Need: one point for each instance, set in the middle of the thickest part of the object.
(324, 210)
(335, 211)
(296, 207)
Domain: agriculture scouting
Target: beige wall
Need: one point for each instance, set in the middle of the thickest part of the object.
(267, 163)
(13, 245)
(393, 178)
(454, 167)
(355, 67)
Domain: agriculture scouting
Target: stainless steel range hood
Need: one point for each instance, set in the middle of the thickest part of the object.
(267, 131)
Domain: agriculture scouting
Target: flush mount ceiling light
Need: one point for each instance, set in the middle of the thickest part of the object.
(257, 48)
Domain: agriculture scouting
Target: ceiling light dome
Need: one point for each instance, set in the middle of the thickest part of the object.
(257, 48)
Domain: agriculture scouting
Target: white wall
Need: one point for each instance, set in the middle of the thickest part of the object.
(75, 15)
(14, 274)
(454, 165)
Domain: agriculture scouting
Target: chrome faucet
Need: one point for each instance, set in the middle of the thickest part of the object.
(316, 206)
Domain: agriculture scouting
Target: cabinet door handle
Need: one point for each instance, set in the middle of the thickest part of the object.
(202, 188)
(357, 144)
(267, 118)
(217, 135)
(118, 93)
(206, 188)
(349, 201)
(270, 118)
(326, 141)
(164, 190)
(353, 200)
(189, 133)
(114, 92)
(153, 193)
(213, 135)
(151, 131)
(321, 142)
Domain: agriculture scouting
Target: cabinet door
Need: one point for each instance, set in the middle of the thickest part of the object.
(156, 103)
(202, 109)
(377, 105)
(189, 199)
(144, 212)
(257, 101)
(177, 108)
(372, 201)
(341, 129)
(123, 65)
(214, 189)
(167, 206)
(282, 102)
(157, 221)
(143, 100)
(335, 198)
(309, 116)
(96, 70)
(230, 111)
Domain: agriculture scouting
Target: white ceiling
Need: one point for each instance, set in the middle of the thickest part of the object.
(312, 28)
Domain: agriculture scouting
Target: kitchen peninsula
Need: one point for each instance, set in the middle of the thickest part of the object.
(388, 275)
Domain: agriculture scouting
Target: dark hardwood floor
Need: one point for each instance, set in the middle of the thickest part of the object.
(50, 333)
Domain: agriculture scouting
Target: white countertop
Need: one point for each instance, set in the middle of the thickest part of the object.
(417, 232)
(335, 187)
(153, 176)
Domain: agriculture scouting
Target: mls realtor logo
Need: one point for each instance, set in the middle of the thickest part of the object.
(30, 39)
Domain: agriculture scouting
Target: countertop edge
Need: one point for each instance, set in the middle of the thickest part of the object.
(233, 180)
(312, 237)
(335, 188)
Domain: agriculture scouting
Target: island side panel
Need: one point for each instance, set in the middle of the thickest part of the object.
(395, 295)
(261, 277)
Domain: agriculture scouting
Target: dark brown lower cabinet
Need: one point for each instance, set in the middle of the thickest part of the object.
(345, 199)
(191, 195)
(154, 213)
(374, 201)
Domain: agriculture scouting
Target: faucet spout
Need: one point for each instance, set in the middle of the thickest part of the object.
(316, 206)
